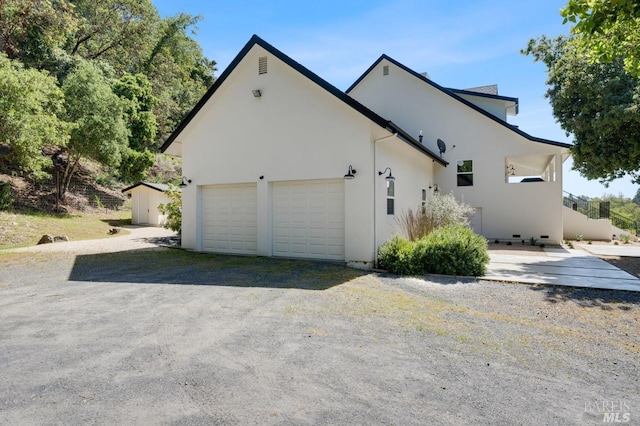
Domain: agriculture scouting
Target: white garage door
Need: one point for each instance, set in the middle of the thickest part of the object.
(229, 219)
(308, 219)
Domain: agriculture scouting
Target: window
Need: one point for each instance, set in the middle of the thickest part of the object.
(465, 173)
(385, 70)
(262, 65)
(391, 195)
(424, 197)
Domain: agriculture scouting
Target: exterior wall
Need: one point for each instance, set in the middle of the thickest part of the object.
(295, 131)
(534, 210)
(490, 105)
(591, 229)
(155, 198)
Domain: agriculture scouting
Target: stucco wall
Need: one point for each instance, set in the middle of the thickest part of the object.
(294, 131)
(528, 210)
(591, 229)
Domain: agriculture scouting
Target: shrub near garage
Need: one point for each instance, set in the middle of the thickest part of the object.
(450, 250)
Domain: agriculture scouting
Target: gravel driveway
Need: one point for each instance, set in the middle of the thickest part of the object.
(161, 336)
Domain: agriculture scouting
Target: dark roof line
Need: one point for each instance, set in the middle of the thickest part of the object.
(483, 95)
(458, 98)
(385, 124)
(160, 187)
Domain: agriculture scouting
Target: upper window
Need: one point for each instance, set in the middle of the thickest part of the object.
(391, 195)
(465, 173)
(385, 70)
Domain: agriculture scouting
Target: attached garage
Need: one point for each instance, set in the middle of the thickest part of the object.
(308, 219)
(229, 219)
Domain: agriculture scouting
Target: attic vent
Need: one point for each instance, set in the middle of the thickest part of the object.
(262, 65)
(385, 70)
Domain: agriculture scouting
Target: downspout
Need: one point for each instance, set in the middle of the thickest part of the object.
(375, 223)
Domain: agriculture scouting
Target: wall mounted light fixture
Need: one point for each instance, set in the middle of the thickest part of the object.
(388, 178)
(185, 182)
(434, 187)
(511, 171)
(350, 174)
(256, 93)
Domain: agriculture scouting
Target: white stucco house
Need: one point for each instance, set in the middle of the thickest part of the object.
(145, 199)
(282, 163)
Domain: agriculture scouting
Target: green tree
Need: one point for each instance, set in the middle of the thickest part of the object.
(597, 103)
(30, 106)
(608, 30)
(173, 209)
(97, 112)
(137, 93)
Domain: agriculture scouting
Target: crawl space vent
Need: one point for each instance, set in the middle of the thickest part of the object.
(262, 65)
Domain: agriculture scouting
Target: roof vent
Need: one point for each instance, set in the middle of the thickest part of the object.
(262, 65)
(385, 70)
(425, 75)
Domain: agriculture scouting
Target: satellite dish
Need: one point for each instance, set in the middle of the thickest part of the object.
(442, 147)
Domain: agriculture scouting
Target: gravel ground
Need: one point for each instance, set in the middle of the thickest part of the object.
(160, 336)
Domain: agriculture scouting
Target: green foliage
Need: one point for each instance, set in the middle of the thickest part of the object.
(97, 202)
(90, 103)
(453, 250)
(6, 197)
(450, 250)
(533, 241)
(138, 100)
(396, 255)
(607, 30)
(30, 103)
(440, 211)
(625, 238)
(598, 103)
(134, 165)
(173, 209)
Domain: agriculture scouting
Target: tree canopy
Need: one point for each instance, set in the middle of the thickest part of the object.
(607, 30)
(596, 102)
(100, 79)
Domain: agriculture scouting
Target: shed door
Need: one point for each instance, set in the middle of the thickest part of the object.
(308, 219)
(229, 219)
(143, 207)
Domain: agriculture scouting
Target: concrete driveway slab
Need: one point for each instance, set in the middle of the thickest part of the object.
(562, 267)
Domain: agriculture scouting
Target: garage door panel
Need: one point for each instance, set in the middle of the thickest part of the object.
(229, 219)
(308, 219)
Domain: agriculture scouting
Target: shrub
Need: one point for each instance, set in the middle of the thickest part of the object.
(173, 210)
(452, 250)
(395, 255)
(440, 211)
(6, 198)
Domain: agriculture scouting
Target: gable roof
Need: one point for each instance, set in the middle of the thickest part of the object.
(458, 98)
(255, 40)
(161, 187)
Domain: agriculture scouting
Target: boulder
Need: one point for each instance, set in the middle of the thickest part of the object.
(60, 238)
(46, 239)
(114, 230)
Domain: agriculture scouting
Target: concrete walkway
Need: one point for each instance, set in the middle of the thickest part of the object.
(562, 267)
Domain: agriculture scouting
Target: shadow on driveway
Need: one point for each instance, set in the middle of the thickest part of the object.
(152, 266)
(606, 300)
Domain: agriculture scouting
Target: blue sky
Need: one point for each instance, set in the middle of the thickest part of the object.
(460, 44)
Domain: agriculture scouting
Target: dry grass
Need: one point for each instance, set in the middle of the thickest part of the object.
(21, 230)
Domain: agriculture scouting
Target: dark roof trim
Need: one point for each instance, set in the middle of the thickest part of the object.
(156, 186)
(451, 93)
(483, 95)
(385, 124)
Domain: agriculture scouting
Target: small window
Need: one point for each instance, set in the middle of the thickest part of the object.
(262, 65)
(465, 173)
(385, 70)
(391, 195)
(424, 197)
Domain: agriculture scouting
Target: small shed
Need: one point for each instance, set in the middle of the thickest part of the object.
(145, 199)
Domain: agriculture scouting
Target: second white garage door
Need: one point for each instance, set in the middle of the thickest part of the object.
(308, 219)
(229, 219)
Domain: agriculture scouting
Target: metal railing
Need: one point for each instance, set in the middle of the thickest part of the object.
(599, 210)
